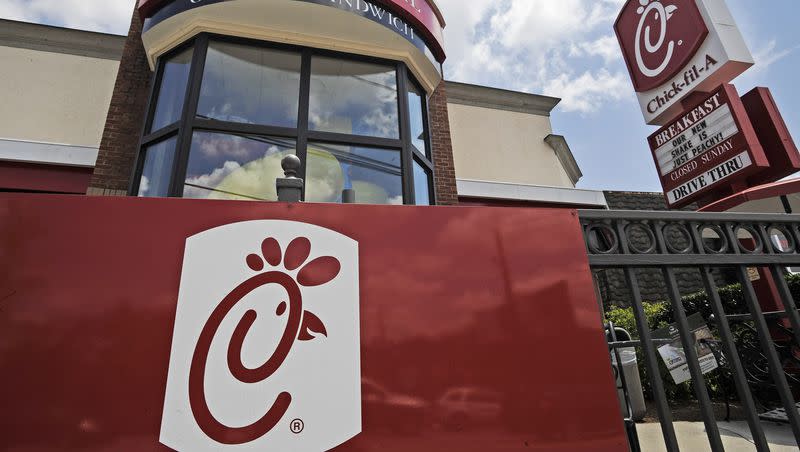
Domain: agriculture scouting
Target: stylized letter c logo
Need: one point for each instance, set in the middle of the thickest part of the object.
(661, 14)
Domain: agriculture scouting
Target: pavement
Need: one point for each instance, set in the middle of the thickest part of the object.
(735, 437)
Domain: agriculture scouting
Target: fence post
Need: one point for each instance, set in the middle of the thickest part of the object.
(290, 188)
(348, 196)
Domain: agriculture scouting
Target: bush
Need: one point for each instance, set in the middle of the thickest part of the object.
(660, 315)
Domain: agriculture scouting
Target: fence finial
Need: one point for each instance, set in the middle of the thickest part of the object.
(290, 187)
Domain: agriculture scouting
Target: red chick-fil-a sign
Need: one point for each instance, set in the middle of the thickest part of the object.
(676, 47)
(239, 326)
(711, 144)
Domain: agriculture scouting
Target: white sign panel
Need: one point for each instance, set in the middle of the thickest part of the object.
(697, 140)
(266, 347)
(711, 177)
(721, 58)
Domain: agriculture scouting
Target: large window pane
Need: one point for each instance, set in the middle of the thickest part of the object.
(157, 169)
(353, 98)
(422, 185)
(416, 108)
(172, 92)
(250, 85)
(239, 167)
(374, 174)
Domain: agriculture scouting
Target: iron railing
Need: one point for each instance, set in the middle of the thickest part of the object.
(666, 242)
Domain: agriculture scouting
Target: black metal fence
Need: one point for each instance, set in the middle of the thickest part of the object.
(665, 242)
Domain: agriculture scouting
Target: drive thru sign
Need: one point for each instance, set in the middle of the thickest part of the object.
(711, 144)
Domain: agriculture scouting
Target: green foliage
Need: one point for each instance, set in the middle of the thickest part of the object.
(660, 315)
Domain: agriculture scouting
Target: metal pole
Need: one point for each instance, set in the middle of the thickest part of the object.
(732, 355)
(775, 365)
(692, 360)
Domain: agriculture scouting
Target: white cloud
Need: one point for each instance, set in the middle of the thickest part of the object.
(110, 16)
(606, 47)
(768, 55)
(588, 92)
(563, 48)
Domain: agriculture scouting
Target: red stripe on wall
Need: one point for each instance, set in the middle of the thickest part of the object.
(44, 178)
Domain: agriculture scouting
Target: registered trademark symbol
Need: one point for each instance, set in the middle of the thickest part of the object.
(297, 426)
(680, 43)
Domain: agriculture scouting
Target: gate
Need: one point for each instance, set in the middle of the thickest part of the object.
(740, 244)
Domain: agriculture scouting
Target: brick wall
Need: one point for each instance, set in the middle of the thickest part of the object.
(445, 171)
(126, 113)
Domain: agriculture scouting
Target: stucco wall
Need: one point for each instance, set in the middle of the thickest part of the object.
(54, 97)
(504, 146)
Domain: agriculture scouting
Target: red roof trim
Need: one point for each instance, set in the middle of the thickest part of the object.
(773, 190)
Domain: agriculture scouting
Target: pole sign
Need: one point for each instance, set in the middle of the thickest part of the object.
(711, 144)
(675, 47)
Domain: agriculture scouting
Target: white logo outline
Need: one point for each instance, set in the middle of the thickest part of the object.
(324, 380)
(663, 14)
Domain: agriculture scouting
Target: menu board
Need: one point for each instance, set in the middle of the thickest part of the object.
(711, 145)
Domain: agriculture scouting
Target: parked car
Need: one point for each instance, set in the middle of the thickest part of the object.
(384, 409)
(471, 406)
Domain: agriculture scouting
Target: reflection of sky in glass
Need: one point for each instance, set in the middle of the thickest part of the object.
(421, 185)
(353, 98)
(157, 169)
(374, 174)
(250, 85)
(169, 104)
(240, 167)
(415, 108)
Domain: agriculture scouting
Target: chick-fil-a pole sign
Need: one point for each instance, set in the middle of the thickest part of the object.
(710, 144)
(675, 47)
(236, 326)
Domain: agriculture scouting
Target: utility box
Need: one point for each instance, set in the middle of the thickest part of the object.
(632, 383)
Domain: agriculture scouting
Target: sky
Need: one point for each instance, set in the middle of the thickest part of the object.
(561, 48)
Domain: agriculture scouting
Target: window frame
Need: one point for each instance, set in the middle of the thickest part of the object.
(189, 122)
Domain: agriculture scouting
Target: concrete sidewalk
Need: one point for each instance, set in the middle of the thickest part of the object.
(735, 437)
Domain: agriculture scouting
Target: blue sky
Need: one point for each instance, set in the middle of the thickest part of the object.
(562, 48)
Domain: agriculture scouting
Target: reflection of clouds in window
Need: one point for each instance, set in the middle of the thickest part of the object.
(374, 174)
(416, 118)
(172, 92)
(353, 98)
(223, 166)
(157, 168)
(144, 186)
(250, 85)
(212, 180)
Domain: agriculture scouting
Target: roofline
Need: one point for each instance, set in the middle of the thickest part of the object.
(500, 99)
(559, 145)
(49, 38)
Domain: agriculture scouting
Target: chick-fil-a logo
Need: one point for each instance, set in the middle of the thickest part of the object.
(265, 351)
(662, 14)
(658, 38)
